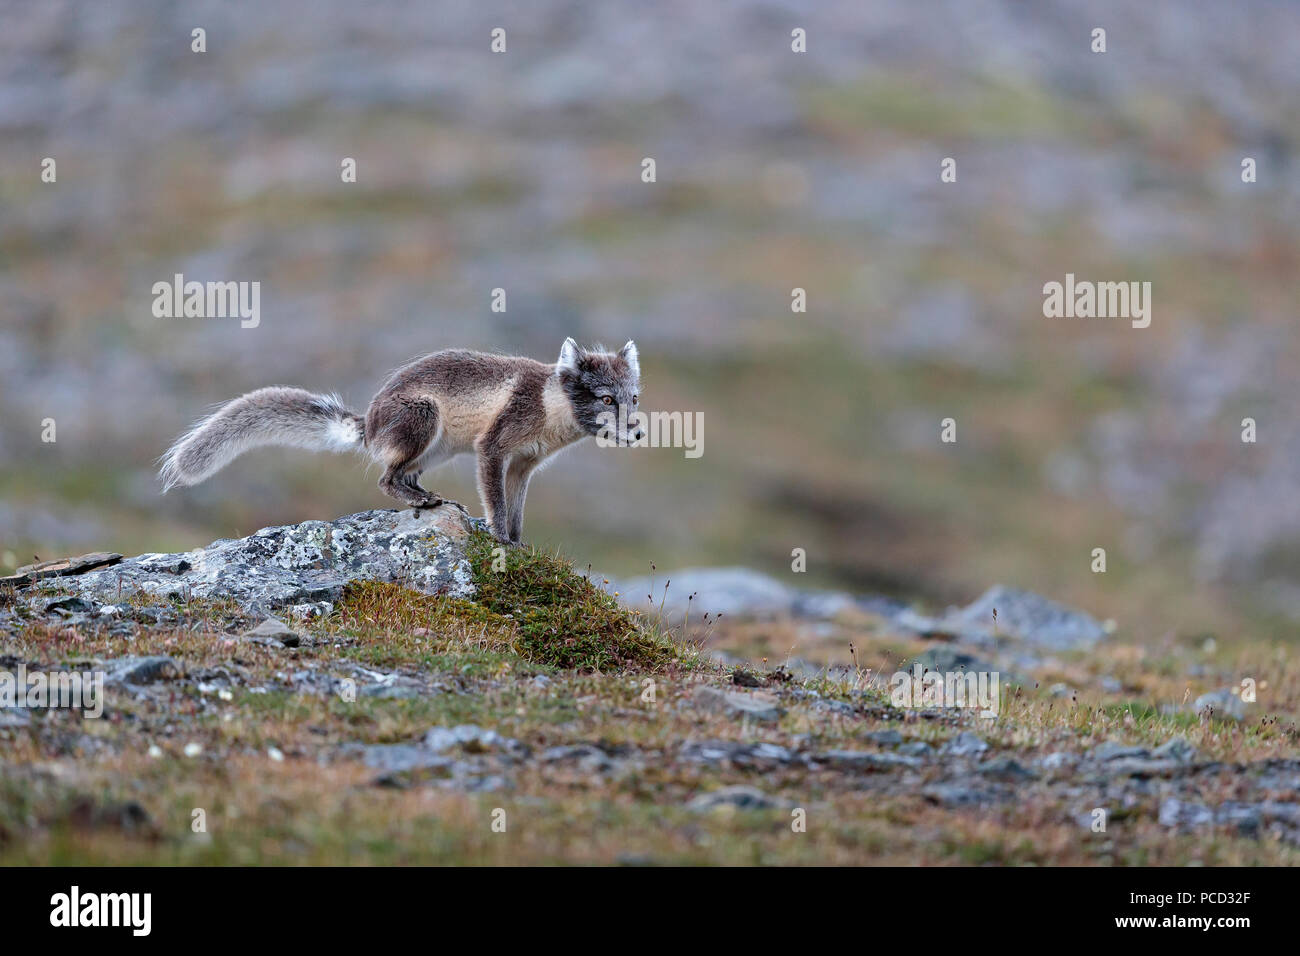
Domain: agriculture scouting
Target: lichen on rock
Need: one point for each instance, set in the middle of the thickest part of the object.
(298, 565)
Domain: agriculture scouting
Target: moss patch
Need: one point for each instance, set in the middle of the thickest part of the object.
(530, 605)
(562, 619)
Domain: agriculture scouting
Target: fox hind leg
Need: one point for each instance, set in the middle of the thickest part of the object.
(401, 432)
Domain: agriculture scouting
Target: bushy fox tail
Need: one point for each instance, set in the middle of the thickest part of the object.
(269, 416)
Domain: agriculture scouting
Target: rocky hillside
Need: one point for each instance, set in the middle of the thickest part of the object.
(392, 687)
(775, 170)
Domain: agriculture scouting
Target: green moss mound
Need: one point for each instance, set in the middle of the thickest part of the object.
(563, 619)
(529, 605)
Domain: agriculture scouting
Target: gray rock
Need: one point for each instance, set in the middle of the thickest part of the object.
(1006, 769)
(1177, 749)
(470, 738)
(307, 612)
(274, 629)
(737, 703)
(756, 756)
(1028, 617)
(1245, 818)
(917, 748)
(732, 592)
(140, 670)
(394, 757)
(300, 564)
(949, 660)
(1225, 702)
(67, 604)
(844, 708)
(740, 797)
(885, 738)
(1022, 615)
(1058, 761)
(965, 744)
(588, 757)
(1142, 767)
(1288, 813)
(1112, 750)
(954, 795)
(63, 567)
(390, 690)
(861, 760)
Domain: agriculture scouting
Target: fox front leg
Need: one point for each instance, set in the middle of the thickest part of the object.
(492, 490)
(517, 474)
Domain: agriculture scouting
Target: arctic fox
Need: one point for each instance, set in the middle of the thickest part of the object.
(513, 412)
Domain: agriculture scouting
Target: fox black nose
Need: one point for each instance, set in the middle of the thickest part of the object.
(638, 435)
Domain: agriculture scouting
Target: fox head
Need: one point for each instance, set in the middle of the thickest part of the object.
(604, 389)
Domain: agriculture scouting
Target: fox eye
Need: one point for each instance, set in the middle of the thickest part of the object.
(635, 399)
(607, 400)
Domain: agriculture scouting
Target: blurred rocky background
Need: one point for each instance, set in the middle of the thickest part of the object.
(775, 170)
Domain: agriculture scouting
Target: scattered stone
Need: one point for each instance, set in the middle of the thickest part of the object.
(1177, 749)
(758, 756)
(140, 670)
(126, 815)
(272, 629)
(885, 738)
(1225, 702)
(732, 592)
(841, 707)
(63, 567)
(947, 659)
(1111, 750)
(588, 757)
(408, 690)
(1006, 769)
(1058, 761)
(308, 612)
(740, 797)
(68, 604)
(1245, 818)
(738, 704)
(1288, 813)
(860, 760)
(402, 757)
(1021, 615)
(1142, 767)
(954, 795)
(470, 738)
(1031, 618)
(965, 744)
(738, 592)
(917, 748)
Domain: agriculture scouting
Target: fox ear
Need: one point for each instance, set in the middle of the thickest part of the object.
(569, 356)
(628, 354)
